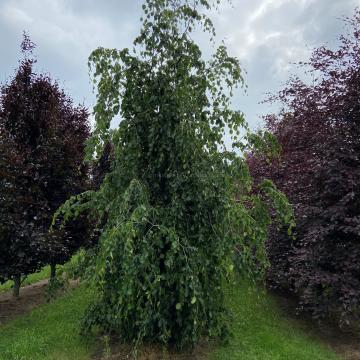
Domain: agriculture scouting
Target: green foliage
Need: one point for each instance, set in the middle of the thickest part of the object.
(175, 202)
(80, 266)
(55, 287)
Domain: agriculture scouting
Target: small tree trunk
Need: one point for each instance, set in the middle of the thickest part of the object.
(17, 282)
(52, 271)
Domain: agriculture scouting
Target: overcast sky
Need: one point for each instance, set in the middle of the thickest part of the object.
(266, 35)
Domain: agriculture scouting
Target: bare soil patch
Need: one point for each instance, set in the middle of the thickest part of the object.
(120, 351)
(30, 297)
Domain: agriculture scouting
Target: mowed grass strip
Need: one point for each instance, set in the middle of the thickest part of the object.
(259, 331)
(49, 332)
(262, 332)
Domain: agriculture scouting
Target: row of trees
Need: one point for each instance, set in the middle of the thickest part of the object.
(319, 171)
(42, 144)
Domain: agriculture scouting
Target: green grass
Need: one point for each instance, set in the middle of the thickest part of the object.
(49, 332)
(260, 332)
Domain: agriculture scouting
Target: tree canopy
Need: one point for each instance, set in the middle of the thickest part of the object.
(42, 145)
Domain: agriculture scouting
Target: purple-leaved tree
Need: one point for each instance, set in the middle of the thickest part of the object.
(42, 142)
(319, 170)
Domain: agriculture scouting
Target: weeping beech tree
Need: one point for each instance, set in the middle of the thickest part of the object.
(175, 202)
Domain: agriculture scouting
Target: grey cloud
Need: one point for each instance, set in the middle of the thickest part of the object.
(267, 36)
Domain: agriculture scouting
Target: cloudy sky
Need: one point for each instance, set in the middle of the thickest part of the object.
(268, 36)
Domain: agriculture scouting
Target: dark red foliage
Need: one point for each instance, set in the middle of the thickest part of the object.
(42, 143)
(319, 170)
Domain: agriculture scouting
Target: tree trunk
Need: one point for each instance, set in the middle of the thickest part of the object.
(52, 271)
(17, 283)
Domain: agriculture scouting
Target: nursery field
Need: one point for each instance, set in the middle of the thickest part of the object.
(154, 219)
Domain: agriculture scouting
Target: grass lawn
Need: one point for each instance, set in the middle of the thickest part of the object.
(48, 332)
(260, 332)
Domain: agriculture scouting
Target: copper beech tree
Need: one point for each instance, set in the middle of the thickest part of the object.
(42, 142)
(319, 170)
